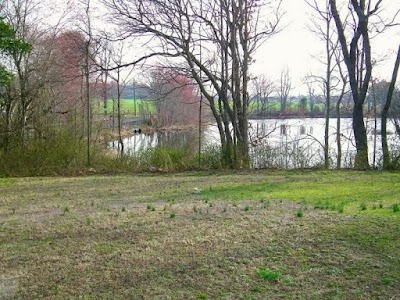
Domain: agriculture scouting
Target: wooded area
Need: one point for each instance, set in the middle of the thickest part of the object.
(194, 58)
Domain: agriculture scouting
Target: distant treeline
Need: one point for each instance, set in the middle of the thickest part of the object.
(131, 91)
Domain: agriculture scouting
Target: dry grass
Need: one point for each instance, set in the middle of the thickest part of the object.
(96, 238)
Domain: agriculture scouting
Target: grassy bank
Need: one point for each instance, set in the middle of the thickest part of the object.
(258, 235)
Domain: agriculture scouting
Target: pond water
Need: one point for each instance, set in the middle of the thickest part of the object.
(279, 143)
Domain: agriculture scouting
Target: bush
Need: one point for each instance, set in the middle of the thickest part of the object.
(42, 157)
(165, 159)
(211, 157)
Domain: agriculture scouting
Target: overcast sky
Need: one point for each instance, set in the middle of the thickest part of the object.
(296, 47)
(293, 47)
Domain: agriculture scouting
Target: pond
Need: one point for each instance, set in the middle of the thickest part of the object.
(279, 143)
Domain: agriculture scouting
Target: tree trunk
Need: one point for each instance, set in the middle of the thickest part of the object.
(88, 108)
(360, 134)
(356, 65)
(338, 122)
(338, 135)
(326, 138)
(120, 141)
(385, 111)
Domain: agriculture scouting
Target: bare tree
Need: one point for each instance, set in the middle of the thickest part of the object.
(385, 110)
(264, 87)
(105, 62)
(285, 86)
(86, 68)
(117, 58)
(343, 92)
(175, 98)
(229, 33)
(90, 52)
(322, 23)
(356, 49)
(310, 81)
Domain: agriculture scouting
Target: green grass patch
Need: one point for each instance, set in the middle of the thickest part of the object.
(268, 275)
(349, 192)
(5, 182)
(128, 106)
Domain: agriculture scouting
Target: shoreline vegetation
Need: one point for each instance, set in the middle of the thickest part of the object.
(202, 235)
(65, 152)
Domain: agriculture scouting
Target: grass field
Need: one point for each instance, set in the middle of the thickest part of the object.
(128, 106)
(256, 235)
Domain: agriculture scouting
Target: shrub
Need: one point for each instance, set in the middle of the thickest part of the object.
(211, 157)
(165, 158)
(56, 154)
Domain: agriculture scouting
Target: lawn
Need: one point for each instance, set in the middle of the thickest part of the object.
(250, 235)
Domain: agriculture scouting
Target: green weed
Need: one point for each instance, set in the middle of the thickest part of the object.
(151, 207)
(65, 210)
(386, 281)
(268, 275)
(201, 295)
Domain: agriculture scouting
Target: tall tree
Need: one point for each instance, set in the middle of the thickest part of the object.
(69, 59)
(322, 23)
(9, 44)
(385, 111)
(89, 53)
(175, 99)
(30, 94)
(19, 14)
(356, 49)
(339, 102)
(229, 31)
(285, 86)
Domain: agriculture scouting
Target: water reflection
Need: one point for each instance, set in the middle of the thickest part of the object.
(290, 143)
(141, 141)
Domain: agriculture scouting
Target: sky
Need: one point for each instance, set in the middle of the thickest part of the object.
(291, 48)
(296, 47)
